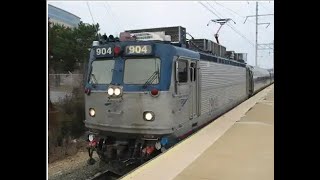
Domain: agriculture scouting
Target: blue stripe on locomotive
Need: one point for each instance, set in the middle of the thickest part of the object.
(165, 52)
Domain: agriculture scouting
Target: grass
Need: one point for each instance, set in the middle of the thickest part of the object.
(66, 126)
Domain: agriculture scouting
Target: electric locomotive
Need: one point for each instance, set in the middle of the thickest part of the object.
(142, 97)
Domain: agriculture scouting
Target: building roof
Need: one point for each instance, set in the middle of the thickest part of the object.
(64, 11)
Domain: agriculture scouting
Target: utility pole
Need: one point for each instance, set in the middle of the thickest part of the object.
(257, 15)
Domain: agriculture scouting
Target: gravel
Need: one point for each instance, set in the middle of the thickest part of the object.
(75, 168)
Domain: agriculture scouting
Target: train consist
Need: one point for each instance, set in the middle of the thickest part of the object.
(152, 88)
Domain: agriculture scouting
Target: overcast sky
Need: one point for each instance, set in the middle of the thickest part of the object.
(117, 16)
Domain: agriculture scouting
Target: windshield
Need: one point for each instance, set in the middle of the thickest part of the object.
(101, 72)
(142, 71)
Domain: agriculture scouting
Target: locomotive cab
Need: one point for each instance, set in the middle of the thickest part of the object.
(127, 97)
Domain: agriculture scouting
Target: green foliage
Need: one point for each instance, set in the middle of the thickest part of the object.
(66, 125)
(69, 46)
(71, 110)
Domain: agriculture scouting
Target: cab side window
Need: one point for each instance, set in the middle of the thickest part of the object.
(193, 72)
(182, 71)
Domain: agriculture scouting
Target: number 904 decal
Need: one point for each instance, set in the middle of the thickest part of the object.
(138, 50)
(104, 51)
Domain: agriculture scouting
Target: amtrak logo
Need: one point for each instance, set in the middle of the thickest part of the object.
(183, 101)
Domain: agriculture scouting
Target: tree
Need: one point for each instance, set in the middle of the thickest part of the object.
(69, 46)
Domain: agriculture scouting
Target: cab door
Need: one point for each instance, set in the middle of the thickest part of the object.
(187, 90)
(194, 89)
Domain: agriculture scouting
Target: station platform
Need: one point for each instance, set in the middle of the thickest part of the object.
(238, 145)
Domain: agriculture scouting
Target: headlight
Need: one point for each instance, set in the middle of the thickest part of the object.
(92, 112)
(148, 115)
(91, 137)
(110, 91)
(117, 91)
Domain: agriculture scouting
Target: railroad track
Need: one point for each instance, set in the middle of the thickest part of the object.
(104, 175)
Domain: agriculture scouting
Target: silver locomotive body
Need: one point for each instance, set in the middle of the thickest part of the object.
(145, 119)
(215, 89)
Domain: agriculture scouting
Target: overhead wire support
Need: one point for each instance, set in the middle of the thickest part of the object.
(265, 46)
(221, 22)
(256, 16)
(233, 28)
(235, 12)
(264, 23)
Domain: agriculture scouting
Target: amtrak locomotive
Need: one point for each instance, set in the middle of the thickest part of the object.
(142, 97)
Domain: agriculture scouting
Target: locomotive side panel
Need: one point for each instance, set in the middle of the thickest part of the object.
(222, 87)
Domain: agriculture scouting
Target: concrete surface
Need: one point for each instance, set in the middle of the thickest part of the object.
(238, 145)
(244, 152)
